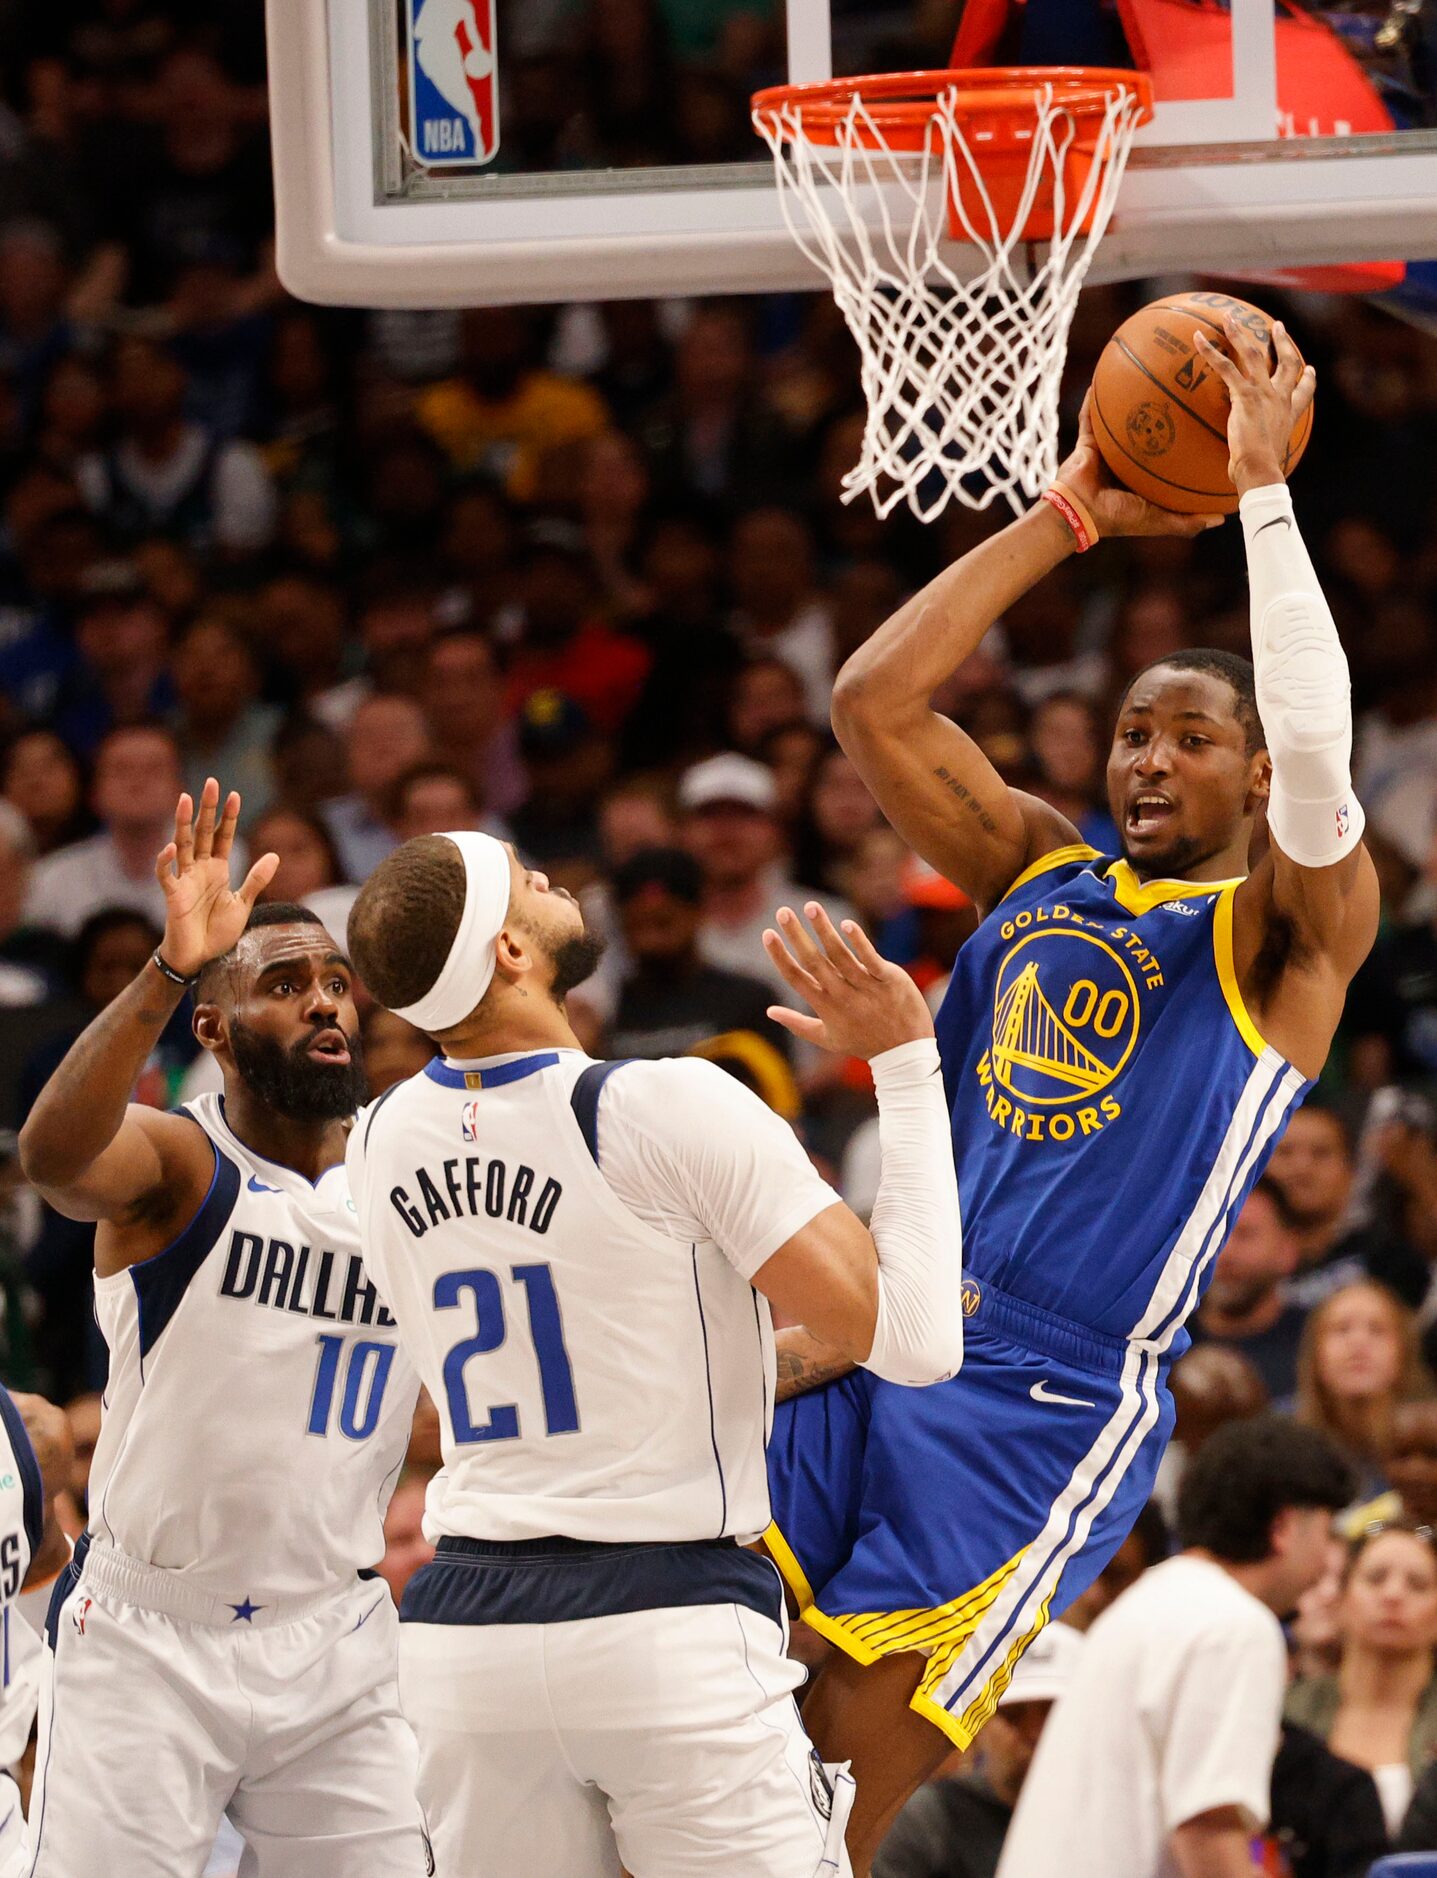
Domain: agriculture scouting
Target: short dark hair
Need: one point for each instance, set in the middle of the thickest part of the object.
(404, 923)
(1246, 1474)
(1234, 671)
(270, 913)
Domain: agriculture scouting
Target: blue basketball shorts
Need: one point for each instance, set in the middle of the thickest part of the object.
(957, 1520)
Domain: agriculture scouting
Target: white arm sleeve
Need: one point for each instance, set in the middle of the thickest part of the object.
(918, 1336)
(1303, 690)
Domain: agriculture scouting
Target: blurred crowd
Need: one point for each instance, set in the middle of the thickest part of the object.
(583, 577)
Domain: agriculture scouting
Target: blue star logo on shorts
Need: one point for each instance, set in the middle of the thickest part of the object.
(244, 1613)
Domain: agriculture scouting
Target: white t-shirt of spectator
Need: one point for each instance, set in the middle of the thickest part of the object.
(1174, 1711)
(66, 887)
(243, 496)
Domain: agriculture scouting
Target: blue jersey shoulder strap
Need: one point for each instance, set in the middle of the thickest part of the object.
(584, 1100)
(161, 1281)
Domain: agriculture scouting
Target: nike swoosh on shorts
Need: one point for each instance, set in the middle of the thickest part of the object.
(1040, 1392)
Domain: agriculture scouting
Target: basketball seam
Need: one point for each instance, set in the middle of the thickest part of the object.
(1211, 495)
(1154, 380)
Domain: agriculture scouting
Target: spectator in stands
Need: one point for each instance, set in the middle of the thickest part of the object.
(1246, 1307)
(713, 437)
(1358, 1360)
(308, 859)
(837, 813)
(766, 696)
(565, 646)
(463, 698)
(955, 1826)
(1066, 737)
(729, 825)
(302, 623)
(569, 763)
(44, 781)
(1315, 1167)
(397, 623)
(166, 474)
(222, 727)
(1327, 1817)
(669, 998)
(22, 981)
(122, 676)
(1159, 1757)
(386, 736)
(1380, 1709)
(504, 410)
(137, 779)
(432, 797)
(1412, 1461)
(779, 612)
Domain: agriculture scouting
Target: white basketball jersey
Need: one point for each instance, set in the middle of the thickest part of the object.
(258, 1405)
(595, 1378)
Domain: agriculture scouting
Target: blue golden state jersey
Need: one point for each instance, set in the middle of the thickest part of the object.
(1113, 1102)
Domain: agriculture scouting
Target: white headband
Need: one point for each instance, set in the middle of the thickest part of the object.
(470, 965)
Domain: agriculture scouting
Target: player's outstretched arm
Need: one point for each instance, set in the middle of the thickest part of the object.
(91, 1153)
(932, 781)
(1307, 917)
(886, 1296)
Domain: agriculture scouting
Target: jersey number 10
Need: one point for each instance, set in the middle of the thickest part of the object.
(546, 1327)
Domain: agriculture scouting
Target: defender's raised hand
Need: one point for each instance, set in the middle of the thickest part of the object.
(1268, 394)
(863, 1004)
(204, 915)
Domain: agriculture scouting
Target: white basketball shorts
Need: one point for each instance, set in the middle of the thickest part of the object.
(585, 1709)
(160, 1713)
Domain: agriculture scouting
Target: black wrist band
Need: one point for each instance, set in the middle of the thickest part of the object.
(168, 971)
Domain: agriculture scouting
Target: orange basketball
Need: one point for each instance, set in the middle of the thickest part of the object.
(1160, 413)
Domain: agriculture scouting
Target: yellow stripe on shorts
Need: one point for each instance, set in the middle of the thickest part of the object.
(940, 1633)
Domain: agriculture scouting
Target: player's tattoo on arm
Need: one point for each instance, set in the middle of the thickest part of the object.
(805, 1363)
(965, 795)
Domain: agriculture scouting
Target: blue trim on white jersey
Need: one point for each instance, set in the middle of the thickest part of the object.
(437, 1070)
(28, 1469)
(161, 1281)
(559, 1581)
(584, 1100)
(709, 1382)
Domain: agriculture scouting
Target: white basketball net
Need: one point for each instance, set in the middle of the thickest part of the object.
(961, 375)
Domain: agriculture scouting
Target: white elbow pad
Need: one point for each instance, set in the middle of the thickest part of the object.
(927, 1348)
(1303, 689)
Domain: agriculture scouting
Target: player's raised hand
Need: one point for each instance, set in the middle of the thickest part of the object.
(1268, 394)
(862, 1004)
(1116, 510)
(204, 915)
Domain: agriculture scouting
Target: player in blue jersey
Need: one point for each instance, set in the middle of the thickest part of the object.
(1123, 1040)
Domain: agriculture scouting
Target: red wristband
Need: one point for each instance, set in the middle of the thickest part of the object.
(1085, 532)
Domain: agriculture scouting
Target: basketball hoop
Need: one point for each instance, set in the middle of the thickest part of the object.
(876, 177)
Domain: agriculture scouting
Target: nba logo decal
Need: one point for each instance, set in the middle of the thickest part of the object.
(1344, 821)
(469, 1116)
(453, 82)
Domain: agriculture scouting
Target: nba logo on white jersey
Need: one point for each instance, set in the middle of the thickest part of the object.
(469, 1120)
(453, 89)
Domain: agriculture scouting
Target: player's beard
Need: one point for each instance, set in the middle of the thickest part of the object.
(575, 960)
(1174, 862)
(293, 1083)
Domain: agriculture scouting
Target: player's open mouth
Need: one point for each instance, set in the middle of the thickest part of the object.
(330, 1047)
(1149, 811)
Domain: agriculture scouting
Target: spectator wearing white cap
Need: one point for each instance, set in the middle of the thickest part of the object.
(955, 1826)
(1158, 1761)
(730, 825)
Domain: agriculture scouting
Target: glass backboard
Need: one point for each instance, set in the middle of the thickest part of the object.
(458, 152)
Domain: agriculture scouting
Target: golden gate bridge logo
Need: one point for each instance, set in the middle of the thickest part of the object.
(1065, 1017)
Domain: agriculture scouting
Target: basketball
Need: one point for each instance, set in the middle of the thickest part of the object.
(1160, 413)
